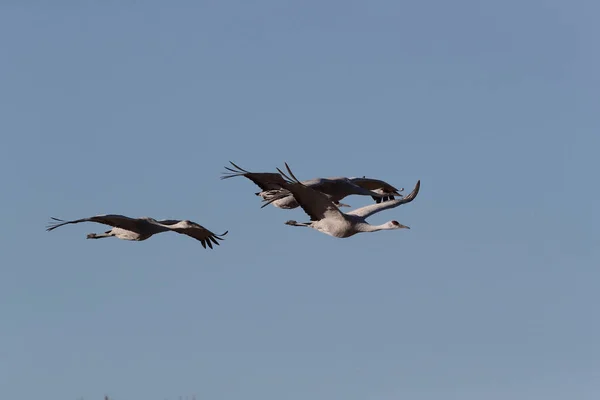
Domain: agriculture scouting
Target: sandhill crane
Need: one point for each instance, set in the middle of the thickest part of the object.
(335, 188)
(143, 228)
(327, 218)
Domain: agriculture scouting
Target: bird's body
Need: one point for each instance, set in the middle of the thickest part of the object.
(335, 188)
(122, 234)
(327, 218)
(336, 227)
(139, 229)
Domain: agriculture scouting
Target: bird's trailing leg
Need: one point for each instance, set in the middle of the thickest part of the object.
(386, 195)
(384, 198)
(342, 205)
(294, 223)
(99, 235)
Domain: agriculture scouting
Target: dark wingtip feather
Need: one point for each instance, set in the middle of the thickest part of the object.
(291, 173)
(284, 175)
(53, 225)
(415, 192)
(238, 167)
(234, 172)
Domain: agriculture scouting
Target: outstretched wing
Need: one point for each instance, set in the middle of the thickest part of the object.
(202, 234)
(385, 190)
(264, 180)
(114, 220)
(316, 204)
(372, 184)
(367, 211)
(339, 188)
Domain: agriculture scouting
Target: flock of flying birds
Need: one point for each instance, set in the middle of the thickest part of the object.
(319, 198)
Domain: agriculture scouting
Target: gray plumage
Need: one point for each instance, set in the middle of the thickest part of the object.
(336, 188)
(138, 229)
(327, 218)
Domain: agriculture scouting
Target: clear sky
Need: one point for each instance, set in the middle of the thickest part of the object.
(134, 107)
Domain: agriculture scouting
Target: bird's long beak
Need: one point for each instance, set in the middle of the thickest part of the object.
(343, 205)
(404, 226)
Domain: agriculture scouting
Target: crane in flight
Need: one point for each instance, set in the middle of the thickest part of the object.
(138, 229)
(336, 188)
(327, 218)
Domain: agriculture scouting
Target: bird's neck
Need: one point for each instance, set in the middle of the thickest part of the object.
(364, 227)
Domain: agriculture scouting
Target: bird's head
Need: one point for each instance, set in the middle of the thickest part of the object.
(396, 225)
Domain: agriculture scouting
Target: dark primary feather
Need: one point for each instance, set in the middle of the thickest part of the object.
(202, 234)
(264, 180)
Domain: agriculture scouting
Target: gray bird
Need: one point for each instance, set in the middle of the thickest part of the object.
(335, 188)
(138, 229)
(327, 218)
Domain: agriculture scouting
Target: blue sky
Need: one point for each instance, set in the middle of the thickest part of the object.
(135, 107)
